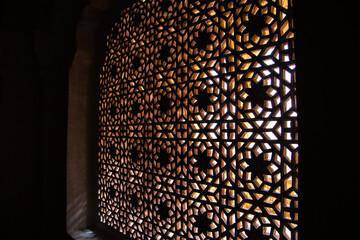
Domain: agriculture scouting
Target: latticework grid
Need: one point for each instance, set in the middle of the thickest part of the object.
(198, 129)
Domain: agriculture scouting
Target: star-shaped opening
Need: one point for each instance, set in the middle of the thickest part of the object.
(202, 222)
(134, 200)
(203, 162)
(203, 100)
(164, 5)
(256, 234)
(202, 40)
(165, 104)
(112, 151)
(257, 94)
(255, 24)
(135, 108)
(164, 53)
(112, 192)
(136, 63)
(258, 166)
(163, 157)
(137, 19)
(113, 110)
(163, 211)
(134, 154)
(113, 71)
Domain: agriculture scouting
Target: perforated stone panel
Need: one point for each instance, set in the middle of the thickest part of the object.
(198, 129)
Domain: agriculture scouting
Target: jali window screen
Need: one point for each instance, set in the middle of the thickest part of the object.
(198, 129)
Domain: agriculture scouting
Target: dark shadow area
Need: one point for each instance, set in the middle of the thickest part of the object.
(327, 44)
(36, 49)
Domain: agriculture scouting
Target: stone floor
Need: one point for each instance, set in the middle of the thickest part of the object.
(85, 234)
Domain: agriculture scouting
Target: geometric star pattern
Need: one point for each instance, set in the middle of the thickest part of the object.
(198, 121)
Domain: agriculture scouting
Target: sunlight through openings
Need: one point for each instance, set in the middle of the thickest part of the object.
(198, 121)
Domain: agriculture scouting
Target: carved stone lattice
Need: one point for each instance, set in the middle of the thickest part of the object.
(198, 129)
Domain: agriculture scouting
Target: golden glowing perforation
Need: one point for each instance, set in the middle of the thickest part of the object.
(198, 121)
